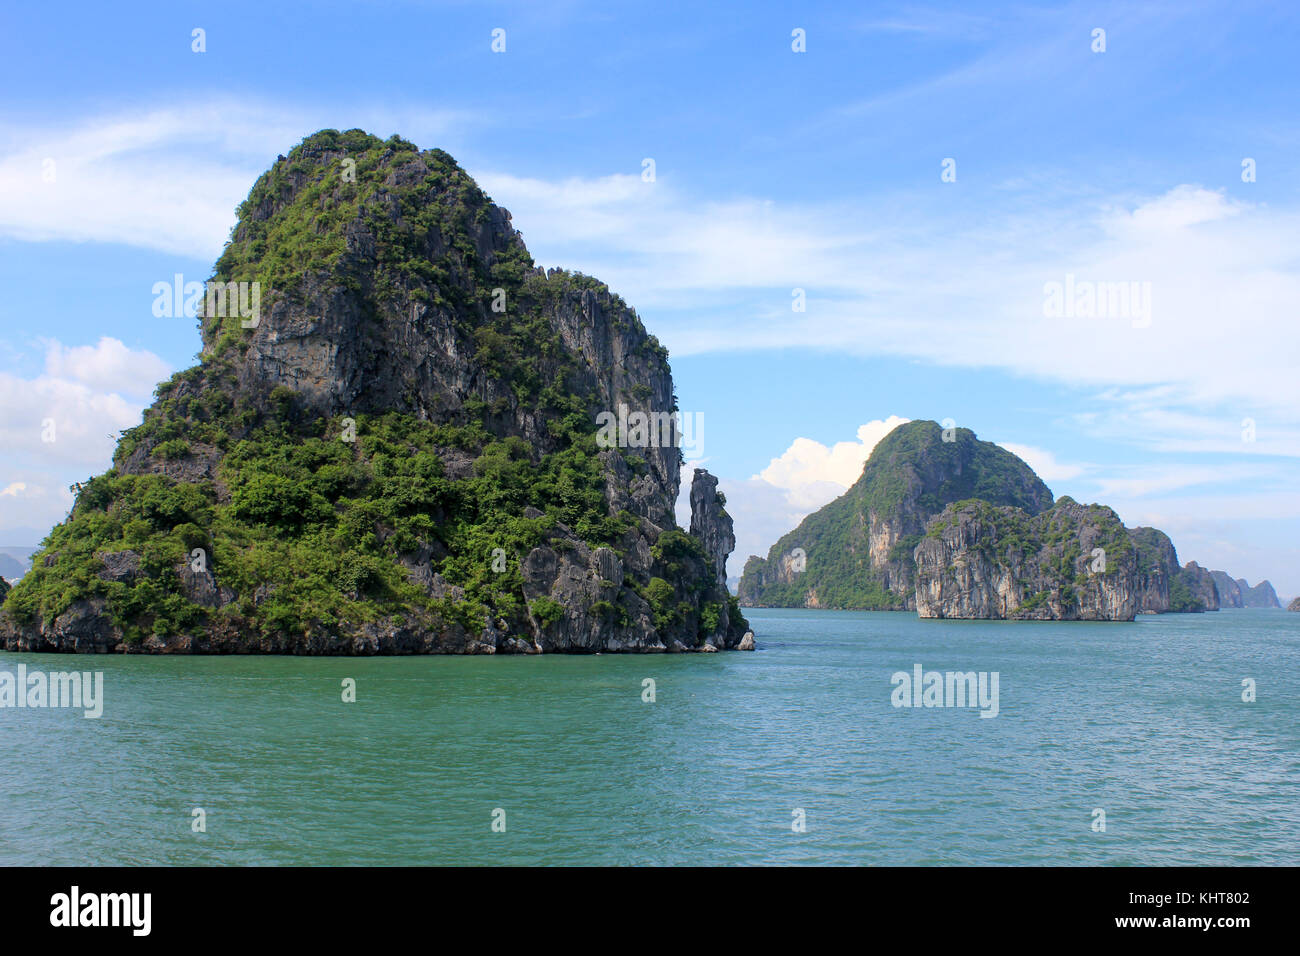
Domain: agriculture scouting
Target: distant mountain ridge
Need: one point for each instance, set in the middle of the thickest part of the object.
(11, 567)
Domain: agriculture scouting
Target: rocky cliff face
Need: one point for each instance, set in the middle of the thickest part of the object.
(1231, 593)
(713, 528)
(397, 454)
(1261, 595)
(1164, 586)
(1238, 592)
(1157, 567)
(1199, 583)
(1072, 562)
(857, 551)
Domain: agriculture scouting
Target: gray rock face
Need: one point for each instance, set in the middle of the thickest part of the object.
(1231, 593)
(201, 587)
(1163, 586)
(1238, 592)
(84, 628)
(1200, 583)
(1157, 566)
(1072, 562)
(713, 528)
(711, 524)
(1261, 595)
(588, 584)
(345, 351)
(121, 566)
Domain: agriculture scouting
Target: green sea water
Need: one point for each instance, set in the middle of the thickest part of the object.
(1144, 721)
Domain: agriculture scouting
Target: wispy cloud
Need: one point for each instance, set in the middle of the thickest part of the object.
(1044, 463)
(166, 178)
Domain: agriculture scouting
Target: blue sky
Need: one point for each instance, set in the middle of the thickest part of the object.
(775, 170)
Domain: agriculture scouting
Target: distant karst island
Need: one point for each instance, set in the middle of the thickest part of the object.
(389, 445)
(953, 527)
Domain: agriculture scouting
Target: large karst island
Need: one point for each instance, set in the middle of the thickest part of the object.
(397, 453)
(953, 527)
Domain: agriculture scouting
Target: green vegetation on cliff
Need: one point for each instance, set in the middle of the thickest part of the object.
(319, 524)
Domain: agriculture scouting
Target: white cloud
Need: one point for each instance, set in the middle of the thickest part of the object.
(163, 180)
(82, 399)
(806, 476)
(1181, 207)
(107, 366)
(1153, 418)
(28, 515)
(68, 417)
(1044, 463)
(1148, 480)
(762, 513)
(659, 246)
(812, 474)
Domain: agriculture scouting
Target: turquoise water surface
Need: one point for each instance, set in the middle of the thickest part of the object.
(1144, 721)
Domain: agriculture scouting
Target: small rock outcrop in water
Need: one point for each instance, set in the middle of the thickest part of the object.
(1294, 605)
(1071, 562)
(711, 524)
(391, 445)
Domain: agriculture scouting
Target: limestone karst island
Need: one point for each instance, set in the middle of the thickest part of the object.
(954, 527)
(398, 454)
